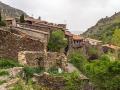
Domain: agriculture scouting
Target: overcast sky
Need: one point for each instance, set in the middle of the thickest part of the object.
(77, 14)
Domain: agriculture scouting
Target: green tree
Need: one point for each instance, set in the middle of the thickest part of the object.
(0, 17)
(57, 41)
(2, 23)
(116, 37)
(78, 60)
(22, 18)
(104, 74)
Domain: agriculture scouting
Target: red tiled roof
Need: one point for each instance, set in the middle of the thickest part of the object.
(111, 46)
(77, 37)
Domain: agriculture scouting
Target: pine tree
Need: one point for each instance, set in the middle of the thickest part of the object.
(0, 17)
(22, 20)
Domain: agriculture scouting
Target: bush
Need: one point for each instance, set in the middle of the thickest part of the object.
(104, 74)
(2, 23)
(1, 82)
(8, 63)
(78, 60)
(4, 73)
(30, 71)
(53, 70)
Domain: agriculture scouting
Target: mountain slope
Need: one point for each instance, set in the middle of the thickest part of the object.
(104, 28)
(7, 10)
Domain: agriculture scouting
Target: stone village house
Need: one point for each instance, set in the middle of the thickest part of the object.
(114, 50)
(37, 31)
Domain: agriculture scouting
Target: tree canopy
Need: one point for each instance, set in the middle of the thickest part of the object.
(116, 37)
(57, 41)
(22, 19)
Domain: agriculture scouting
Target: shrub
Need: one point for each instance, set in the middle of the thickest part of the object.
(1, 82)
(2, 23)
(8, 63)
(3, 73)
(29, 71)
(53, 70)
(22, 19)
(78, 60)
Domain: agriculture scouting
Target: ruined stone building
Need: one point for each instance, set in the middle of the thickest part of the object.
(11, 44)
(114, 50)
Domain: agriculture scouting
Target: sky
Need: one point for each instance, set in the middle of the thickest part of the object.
(79, 15)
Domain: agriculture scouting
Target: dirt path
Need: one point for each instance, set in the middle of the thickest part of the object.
(71, 68)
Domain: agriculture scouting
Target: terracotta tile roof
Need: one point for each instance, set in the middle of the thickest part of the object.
(77, 37)
(68, 33)
(111, 46)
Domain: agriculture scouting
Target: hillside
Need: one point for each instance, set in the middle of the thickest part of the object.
(104, 28)
(7, 10)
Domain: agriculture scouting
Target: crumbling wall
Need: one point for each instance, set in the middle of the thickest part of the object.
(11, 44)
(42, 59)
(60, 83)
(31, 58)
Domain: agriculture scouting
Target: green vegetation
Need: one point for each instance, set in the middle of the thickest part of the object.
(29, 86)
(73, 82)
(8, 63)
(4, 73)
(78, 60)
(104, 29)
(57, 41)
(2, 23)
(53, 70)
(22, 19)
(30, 71)
(1, 82)
(103, 73)
(116, 37)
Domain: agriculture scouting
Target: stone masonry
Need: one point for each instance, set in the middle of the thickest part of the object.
(11, 44)
(42, 59)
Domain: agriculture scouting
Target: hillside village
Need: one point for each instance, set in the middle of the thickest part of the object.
(29, 63)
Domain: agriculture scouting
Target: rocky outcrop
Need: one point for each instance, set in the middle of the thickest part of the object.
(7, 10)
(104, 28)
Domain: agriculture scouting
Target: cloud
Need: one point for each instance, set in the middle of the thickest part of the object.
(78, 14)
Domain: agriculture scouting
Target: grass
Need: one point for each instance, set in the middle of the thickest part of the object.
(30, 71)
(8, 63)
(1, 82)
(4, 73)
(29, 86)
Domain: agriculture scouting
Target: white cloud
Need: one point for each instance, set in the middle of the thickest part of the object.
(78, 14)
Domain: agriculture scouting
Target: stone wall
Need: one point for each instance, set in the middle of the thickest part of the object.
(11, 44)
(60, 83)
(42, 59)
(51, 82)
(31, 58)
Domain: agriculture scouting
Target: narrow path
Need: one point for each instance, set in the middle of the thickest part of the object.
(71, 68)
